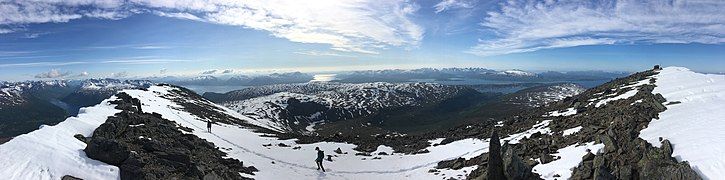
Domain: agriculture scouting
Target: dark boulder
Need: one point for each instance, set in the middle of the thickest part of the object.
(107, 150)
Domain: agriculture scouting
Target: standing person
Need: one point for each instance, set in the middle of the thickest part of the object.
(208, 126)
(320, 156)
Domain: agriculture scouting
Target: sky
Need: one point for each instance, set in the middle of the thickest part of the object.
(72, 39)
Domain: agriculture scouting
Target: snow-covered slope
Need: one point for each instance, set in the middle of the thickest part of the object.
(52, 152)
(694, 120)
(292, 107)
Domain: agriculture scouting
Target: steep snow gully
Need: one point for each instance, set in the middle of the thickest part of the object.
(693, 123)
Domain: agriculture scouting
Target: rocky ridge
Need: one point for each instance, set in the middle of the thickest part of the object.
(146, 146)
(611, 115)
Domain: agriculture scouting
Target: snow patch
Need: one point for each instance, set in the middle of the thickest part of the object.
(567, 112)
(541, 127)
(572, 130)
(571, 156)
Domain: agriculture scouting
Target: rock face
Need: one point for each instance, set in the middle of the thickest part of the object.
(146, 146)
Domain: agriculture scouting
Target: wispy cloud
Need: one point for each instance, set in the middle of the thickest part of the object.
(131, 46)
(321, 53)
(527, 25)
(5, 31)
(452, 4)
(362, 26)
(228, 71)
(53, 73)
(118, 61)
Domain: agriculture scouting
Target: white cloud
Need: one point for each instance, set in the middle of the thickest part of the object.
(209, 71)
(5, 31)
(53, 73)
(227, 71)
(121, 74)
(363, 26)
(524, 25)
(83, 74)
(452, 4)
(179, 15)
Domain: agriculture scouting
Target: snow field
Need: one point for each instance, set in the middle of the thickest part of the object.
(694, 126)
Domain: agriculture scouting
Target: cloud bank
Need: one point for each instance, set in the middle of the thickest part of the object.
(362, 26)
(53, 73)
(525, 25)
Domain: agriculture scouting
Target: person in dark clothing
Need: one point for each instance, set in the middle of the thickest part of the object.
(320, 156)
(208, 126)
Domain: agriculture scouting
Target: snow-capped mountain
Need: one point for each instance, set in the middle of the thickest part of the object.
(12, 93)
(657, 124)
(239, 80)
(295, 107)
(516, 72)
(471, 74)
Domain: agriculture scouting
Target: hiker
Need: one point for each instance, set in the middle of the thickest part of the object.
(208, 126)
(320, 156)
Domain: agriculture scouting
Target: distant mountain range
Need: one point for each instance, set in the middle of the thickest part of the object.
(450, 75)
(457, 76)
(236, 80)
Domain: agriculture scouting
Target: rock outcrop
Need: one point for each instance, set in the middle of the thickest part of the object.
(147, 146)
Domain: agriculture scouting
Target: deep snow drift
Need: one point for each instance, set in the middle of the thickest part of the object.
(696, 125)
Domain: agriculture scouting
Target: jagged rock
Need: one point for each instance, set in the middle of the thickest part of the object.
(588, 157)
(69, 177)
(81, 138)
(546, 158)
(494, 170)
(514, 167)
(657, 164)
(609, 144)
(667, 148)
(602, 173)
(383, 153)
(338, 151)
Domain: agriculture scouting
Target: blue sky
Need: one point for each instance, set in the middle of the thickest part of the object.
(47, 39)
